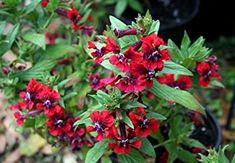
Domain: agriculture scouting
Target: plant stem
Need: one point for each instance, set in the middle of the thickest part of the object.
(48, 20)
(165, 142)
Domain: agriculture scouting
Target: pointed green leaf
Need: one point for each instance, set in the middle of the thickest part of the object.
(174, 68)
(35, 38)
(132, 157)
(96, 152)
(31, 7)
(120, 7)
(117, 24)
(154, 27)
(127, 120)
(134, 104)
(179, 96)
(156, 116)
(147, 148)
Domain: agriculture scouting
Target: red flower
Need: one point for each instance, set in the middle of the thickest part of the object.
(207, 71)
(98, 53)
(183, 82)
(153, 57)
(121, 61)
(101, 120)
(48, 97)
(139, 70)
(44, 3)
(19, 118)
(58, 124)
(123, 142)
(31, 93)
(50, 38)
(142, 125)
(95, 82)
(131, 83)
(112, 46)
(74, 16)
(196, 150)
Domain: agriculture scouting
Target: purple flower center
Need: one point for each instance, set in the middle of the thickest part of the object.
(28, 97)
(95, 81)
(150, 75)
(59, 123)
(47, 104)
(99, 53)
(144, 124)
(154, 56)
(121, 57)
(124, 142)
(207, 75)
(98, 127)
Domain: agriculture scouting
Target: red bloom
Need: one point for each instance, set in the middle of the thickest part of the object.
(183, 82)
(50, 38)
(196, 150)
(95, 82)
(142, 125)
(101, 120)
(121, 61)
(139, 70)
(74, 16)
(48, 97)
(112, 46)
(131, 83)
(123, 142)
(153, 57)
(98, 53)
(207, 71)
(58, 124)
(31, 93)
(44, 3)
(19, 118)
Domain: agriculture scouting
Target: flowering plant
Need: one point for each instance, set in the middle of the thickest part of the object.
(120, 95)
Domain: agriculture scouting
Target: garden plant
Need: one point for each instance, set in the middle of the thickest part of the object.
(120, 95)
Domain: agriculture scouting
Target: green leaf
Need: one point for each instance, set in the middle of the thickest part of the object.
(136, 5)
(58, 51)
(62, 83)
(156, 115)
(86, 121)
(233, 160)
(95, 153)
(185, 43)
(174, 68)
(117, 24)
(9, 39)
(154, 27)
(147, 148)
(127, 120)
(132, 157)
(125, 42)
(106, 64)
(174, 51)
(194, 143)
(2, 26)
(221, 156)
(216, 83)
(186, 156)
(35, 38)
(120, 7)
(40, 121)
(172, 151)
(37, 71)
(31, 7)
(179, 96)
(134, 104)
(69, 96)
(104, 95)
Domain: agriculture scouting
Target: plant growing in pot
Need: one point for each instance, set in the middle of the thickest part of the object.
(122, 95)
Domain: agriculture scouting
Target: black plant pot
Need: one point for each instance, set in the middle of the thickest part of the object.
(171, 13)
(209, 133)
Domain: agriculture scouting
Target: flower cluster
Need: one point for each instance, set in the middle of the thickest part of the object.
(207, 71)
(139, 63)
(122, 138)
(40, 99)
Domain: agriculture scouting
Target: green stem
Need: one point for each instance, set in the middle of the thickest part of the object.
(165, 142)
(48, 20)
